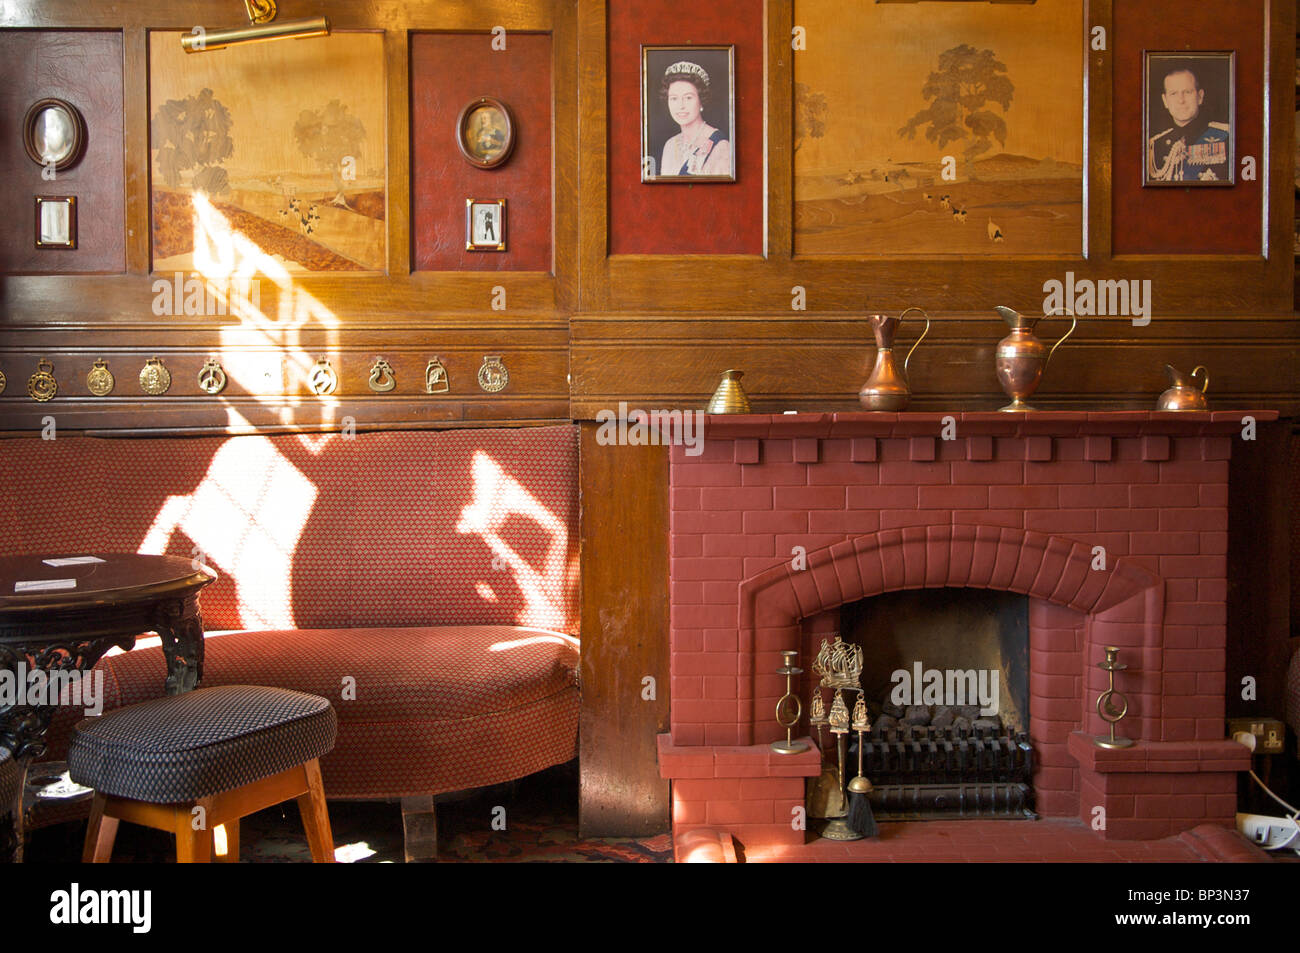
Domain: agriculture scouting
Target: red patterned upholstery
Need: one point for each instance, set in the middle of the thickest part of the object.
(474, 527)
(437, 569)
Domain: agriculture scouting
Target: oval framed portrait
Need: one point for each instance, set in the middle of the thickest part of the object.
(485, 132)
(54, 133)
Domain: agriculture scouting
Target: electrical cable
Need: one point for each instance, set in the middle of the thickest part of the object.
(1295, 815)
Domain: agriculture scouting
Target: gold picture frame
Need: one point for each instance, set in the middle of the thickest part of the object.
(56, 221)
(1189, 95)
(688, 114)
(485, 224)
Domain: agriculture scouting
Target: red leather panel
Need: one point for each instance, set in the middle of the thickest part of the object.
(1171, 220)
(83, 67)
(671, 218)
(449, 70)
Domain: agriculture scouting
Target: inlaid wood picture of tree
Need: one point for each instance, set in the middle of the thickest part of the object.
(284, 142)
(939, 129)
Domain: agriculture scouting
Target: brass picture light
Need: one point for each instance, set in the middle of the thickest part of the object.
(260, 15)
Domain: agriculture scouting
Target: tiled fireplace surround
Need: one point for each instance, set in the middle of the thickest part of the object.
(1015, 502)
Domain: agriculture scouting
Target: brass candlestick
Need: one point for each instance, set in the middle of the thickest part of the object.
(1106, 707)
(791, 717)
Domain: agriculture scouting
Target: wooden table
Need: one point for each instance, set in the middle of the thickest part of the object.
(69, 629)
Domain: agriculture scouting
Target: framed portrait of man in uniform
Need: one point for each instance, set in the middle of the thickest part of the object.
(1188, 129)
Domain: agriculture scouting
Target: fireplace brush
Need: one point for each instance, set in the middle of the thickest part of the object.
(860, 817)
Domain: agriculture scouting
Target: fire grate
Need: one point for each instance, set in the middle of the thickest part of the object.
(922, 772)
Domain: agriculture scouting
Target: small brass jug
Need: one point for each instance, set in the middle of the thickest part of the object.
(1022, 358)
(886, 388)
(1183, 395)
(730, 397)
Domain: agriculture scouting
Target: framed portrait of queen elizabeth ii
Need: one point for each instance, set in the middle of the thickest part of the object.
(688, 114)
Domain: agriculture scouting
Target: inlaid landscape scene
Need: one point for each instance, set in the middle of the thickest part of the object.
(283, 141)
(973, 140)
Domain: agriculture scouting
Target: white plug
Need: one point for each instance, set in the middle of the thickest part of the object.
(1270, 833)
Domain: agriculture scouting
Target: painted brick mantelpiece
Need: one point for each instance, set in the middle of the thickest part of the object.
(1025, 503)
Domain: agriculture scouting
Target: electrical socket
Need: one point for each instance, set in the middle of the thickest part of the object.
(1270, 733)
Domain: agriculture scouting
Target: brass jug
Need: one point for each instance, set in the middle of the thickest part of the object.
(886, 388)
(1183, 395)
(730, 397)
(1022, 358)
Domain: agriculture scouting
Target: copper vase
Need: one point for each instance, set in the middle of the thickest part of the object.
(886, 388)
(1022, 358)
(1184, 395)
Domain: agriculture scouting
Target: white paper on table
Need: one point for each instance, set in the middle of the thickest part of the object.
(72, 561)
(41, 585)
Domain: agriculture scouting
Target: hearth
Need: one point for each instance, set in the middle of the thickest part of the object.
(1112, 527)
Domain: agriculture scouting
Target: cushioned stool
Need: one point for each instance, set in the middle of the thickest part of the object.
(231, 751)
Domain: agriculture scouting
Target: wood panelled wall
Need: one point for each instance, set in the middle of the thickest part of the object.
(653, 330)
(406, 316)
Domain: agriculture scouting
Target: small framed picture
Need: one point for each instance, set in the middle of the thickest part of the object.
(485, 224)
(1189, 122)
(688, 114)
(56, 221)
(485, 132)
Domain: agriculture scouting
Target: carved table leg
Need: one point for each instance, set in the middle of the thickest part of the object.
(24, 719)
(181, 628)
(22, 733)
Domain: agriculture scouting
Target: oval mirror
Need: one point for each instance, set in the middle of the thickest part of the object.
(54, 133)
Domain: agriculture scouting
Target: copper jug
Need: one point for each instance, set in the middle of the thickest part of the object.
(886, 388)
(1022, 358)
(1183, 395)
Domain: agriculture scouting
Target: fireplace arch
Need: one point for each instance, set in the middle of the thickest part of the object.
(1123, 603)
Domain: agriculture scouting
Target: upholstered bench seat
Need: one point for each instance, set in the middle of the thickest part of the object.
(9, 781)
(424, 582)
(201, 743)
(433, 708)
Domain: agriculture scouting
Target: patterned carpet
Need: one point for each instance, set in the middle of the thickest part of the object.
(540, 819)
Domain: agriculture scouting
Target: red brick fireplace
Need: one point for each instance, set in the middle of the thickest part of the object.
(1025, 503)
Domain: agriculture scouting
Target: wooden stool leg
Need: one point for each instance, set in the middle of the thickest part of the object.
(226, 834)
(100, 834)
(192, 847)
(419, 828)
(315, 816)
